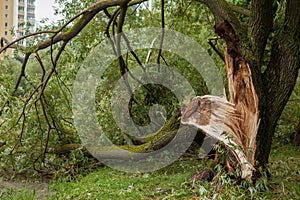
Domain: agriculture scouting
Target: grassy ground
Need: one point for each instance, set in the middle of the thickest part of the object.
(171, 183)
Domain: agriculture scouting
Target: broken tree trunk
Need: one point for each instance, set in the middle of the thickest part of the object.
(234, 122)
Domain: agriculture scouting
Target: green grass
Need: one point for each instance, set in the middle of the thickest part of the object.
(24, 194)
(172, 183)
(107, 183)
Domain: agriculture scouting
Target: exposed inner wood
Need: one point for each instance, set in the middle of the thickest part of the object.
(238, 117)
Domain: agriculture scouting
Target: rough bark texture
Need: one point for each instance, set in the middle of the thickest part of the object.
(279, 78)
(275, 84)
(239, 117)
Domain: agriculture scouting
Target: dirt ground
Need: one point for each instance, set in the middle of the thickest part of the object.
(41, 188)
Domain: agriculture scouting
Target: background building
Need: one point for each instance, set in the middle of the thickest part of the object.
(16, 17)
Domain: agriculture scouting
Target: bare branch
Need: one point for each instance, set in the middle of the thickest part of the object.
(13, 44)
(112, 22)
(86, 16)
(132, 52)
(44, 84)
(22, 74)
(38, 58)
(118, 42)
(6, 44)
(107, 13)
(162, 34)
(209, 40)
(150, 51)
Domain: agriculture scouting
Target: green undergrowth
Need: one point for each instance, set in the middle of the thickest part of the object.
(172, 183)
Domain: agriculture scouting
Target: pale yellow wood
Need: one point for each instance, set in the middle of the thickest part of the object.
(238, 116)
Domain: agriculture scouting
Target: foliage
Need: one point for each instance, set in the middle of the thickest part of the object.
(29, 141)
(172, 183)
(31, 144)
(25, 136)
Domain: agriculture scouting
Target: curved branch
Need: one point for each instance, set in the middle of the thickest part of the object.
(86, 16)
(3, 40)
(63, 36)
(162, 34)
(209, 41)
(13, 43)
(22, 74)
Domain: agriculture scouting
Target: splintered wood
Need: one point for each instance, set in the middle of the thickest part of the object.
(235, 121)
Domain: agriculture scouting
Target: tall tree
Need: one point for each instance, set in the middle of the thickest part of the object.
(274, 73)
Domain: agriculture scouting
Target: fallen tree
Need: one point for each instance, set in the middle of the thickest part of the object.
(273, 73)
(234, 122)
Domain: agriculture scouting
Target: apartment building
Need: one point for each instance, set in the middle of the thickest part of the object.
(16, 17)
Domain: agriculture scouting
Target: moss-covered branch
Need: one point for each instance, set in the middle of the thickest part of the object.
(151, 143)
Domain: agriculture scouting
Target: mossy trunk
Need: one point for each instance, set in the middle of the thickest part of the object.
(151, 143)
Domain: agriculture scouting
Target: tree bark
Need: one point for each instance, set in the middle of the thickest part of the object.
(238, 118)
(275, 84)
(279, 78)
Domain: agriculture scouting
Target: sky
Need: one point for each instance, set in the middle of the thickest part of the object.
(44, 9)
